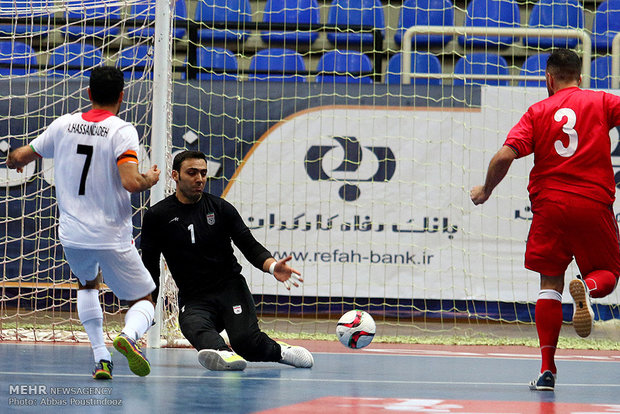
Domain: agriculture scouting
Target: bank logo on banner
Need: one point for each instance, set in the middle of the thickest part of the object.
(353, 157)
(359, 197)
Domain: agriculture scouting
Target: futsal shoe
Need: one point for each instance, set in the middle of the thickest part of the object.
(296, 356)
(215, 360)
(544, 382)
(583, 316)
(138, 364)
(103, 370)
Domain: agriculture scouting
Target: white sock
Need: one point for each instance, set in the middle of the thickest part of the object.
(139, 319)
(550, 294)
(91, 316)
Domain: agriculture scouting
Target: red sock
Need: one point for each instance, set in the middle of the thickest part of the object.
(600, 283)
(548, 315)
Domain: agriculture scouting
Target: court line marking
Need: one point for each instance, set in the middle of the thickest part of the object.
(288, 379)
(448, 354)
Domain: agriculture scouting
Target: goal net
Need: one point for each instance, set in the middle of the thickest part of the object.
(47, 51)
(362, 179)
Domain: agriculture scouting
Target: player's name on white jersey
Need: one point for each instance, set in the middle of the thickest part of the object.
(88, 129)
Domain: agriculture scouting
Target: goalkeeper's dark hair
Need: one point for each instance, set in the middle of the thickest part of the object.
(186, 155)
(564, 65)
(106, 85)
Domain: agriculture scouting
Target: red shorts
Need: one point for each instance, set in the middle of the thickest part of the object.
(567, 225)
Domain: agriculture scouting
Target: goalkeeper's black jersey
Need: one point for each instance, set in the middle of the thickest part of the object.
(195, 240)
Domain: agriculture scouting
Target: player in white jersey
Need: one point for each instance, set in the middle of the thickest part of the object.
(95, 170)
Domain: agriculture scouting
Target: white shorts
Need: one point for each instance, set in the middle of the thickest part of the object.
(122, 270)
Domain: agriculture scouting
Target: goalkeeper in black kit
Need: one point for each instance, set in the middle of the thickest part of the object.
(194, 230)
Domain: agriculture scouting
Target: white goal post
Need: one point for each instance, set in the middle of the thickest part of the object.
(162, 73)
(615, 62)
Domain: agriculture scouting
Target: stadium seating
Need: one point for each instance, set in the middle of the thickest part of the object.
(534, 66)
(481, 64)
(606, 25)
(23, 9)
(277, 62)
(144, 11)
(345, 13)
(72, 58)
(421, 62)
(294, 12)
(491, 13)
(423, 13)
(134, 60)
(220, 64)
(600, 73)
(555, 14)
(221, 11)
(339, 66)
(96, 15)
(17, 53)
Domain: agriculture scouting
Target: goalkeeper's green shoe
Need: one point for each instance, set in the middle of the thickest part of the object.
(138, 364)
(215, 360)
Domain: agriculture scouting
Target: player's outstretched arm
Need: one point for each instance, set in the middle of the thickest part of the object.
(133, 181)
(498, 168)
(283, 272)
(21, 157)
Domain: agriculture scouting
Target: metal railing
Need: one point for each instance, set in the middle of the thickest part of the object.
(586, 44)
(193, 42)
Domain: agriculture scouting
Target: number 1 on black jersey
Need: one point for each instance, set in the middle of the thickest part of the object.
(88, 151)
(191, 232)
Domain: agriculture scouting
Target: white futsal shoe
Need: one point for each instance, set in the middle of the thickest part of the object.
(215, 360)
(296, 356)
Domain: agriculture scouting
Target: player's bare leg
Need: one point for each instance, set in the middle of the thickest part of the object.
(138, 320)
(548, 325)
(91, 317)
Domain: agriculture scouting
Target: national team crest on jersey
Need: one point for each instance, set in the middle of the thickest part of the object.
(211, 219)
(237, 309)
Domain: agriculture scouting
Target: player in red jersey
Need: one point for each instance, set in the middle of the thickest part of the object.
(572, 190)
